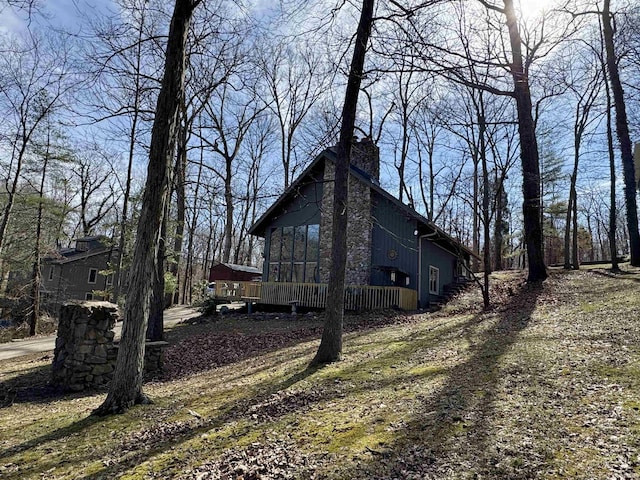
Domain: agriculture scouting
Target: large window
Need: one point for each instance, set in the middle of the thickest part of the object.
(294, 254)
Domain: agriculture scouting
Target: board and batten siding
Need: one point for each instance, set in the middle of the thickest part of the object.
(436, 256)
(302, 209)
(393, 233)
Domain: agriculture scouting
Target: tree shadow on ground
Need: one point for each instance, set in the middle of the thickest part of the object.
(211, 350)
(267, 401)
(34, 386)
(30, 386)
(57, 434)
(258, 405)
(619, 275)
(465, 403)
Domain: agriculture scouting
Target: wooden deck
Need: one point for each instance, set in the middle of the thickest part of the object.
(314, 295)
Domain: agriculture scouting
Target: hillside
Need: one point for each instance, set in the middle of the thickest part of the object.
(544, 385)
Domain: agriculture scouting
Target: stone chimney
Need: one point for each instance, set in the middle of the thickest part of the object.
(365, 155)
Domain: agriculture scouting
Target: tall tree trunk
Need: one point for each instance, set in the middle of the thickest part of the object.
(613, 249)
(498, 234)
(475, 244)
(36, 279)
(187, 292)
(575, 259)
(529, 155)
(11, 193)
(180, 185)
(127, 189)
(126, 386)
(567, 228)
(228, 201)
(622, 128)
(155, 327)
(330, 348)
(486, 219)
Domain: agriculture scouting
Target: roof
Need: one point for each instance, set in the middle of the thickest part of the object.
(69, 255)
(72, 254)
(258, 228)
(241, 268)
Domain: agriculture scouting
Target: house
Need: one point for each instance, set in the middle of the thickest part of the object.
(233, 272)
(75, 273)
(389, 243)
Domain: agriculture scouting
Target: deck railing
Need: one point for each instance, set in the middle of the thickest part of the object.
(314, 295)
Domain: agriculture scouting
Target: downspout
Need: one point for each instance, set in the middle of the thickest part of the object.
(420, 237)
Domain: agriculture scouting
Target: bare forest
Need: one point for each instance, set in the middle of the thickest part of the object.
(509, 124)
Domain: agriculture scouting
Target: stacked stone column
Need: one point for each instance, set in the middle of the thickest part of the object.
(84, 356)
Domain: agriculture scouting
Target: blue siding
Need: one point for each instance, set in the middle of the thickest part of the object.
(393, 231)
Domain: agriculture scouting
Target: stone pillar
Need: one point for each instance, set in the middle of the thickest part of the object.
(366, 156)
(359, 228)
(84, 356)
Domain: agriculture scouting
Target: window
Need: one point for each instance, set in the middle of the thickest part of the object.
(88, 296)
(93, 275)
(434, 280)
(294, 254)
(110, 279)
(51, 273)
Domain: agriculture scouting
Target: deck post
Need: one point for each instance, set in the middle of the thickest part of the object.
(294, 307)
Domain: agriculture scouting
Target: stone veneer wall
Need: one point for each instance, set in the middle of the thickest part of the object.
(366, 156)
(85, 355)
(359, 229)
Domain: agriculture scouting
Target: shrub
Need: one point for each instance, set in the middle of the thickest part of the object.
(208, 307)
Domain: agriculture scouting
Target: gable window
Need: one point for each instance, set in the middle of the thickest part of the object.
(434, 280)
(51, 273)
(294, 254)
(93, 275)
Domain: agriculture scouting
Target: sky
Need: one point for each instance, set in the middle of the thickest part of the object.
(64, 14)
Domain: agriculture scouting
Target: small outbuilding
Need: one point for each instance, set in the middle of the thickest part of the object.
(235, 273)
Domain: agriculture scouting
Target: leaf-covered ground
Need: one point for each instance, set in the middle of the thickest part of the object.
(544, 385)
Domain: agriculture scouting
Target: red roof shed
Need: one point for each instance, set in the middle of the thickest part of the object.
(230, 271)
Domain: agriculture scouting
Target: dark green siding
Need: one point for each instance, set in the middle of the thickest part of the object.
(393, 232)
(433, 255)
(302, 208)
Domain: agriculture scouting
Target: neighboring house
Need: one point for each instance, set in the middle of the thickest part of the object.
(233, 272)
(389, 243)
(74, 273)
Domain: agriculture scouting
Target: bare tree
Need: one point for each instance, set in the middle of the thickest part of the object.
(586, 95)
(622, 129)
(123, 59)
(126, 386)
(295, 83)
(33, 82)
(330, 348)
(96, 189)
(231, 115)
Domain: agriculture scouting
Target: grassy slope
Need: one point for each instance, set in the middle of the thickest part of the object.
(545, 385)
